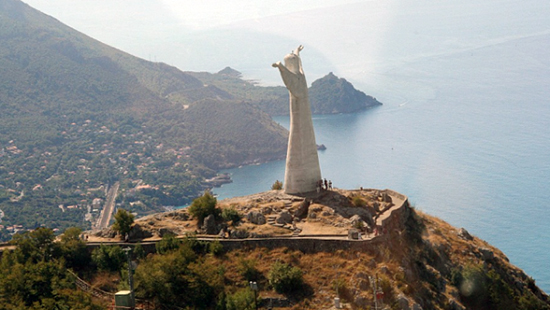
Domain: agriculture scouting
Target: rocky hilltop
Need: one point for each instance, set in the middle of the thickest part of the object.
(342, 239)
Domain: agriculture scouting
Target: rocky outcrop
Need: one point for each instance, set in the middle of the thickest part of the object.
(137, 233)
(256, 218)
(210, 226)
(284, 218)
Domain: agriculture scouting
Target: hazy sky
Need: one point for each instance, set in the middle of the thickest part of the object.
(363, 41)
(189, 14)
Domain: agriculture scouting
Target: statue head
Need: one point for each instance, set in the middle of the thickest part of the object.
(292, 63)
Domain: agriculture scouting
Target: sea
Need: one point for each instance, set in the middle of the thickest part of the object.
(465, 135)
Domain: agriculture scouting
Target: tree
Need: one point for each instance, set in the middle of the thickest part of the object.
(285, 278)
(37, 245)
(74, 248)
(278, 185)
(123, 222)
(109, 258)
(203, 207)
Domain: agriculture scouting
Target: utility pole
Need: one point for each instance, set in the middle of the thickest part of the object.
(254, 287)
(128, 251)
(374, 293)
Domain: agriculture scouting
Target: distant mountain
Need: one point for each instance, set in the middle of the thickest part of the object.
(328, 95)
(77, 115)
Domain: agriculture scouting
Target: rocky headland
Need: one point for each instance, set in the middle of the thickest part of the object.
(343, 239)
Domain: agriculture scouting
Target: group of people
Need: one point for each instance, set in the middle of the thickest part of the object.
(323, 185)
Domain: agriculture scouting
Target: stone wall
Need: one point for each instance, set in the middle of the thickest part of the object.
(394, 221)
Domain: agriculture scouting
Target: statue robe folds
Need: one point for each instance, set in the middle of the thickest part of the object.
(302, 162)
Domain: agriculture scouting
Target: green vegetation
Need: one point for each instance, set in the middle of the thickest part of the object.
(34, 275)
(123, 222)
(480, 288)
(203, 207)
(247, 269)
(231, 215)
(168, 243)
(277, 186)
(358, 202)
(241, 300)
(285, 278)
(109, 258)
(78, 116)
(200, 275)
(164, 278)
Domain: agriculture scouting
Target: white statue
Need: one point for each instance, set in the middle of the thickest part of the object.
(302, 162)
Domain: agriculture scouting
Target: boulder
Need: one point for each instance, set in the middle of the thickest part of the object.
(464, 234)
(301, 212)
(137, 232)
(165, 231)
(238, 234)
(284, 218)
(209, 225)
(486, 254)
(362, 302)
(256, 217)
(179, 216)
(403, 302)
(385, 270)
(355, 219)
(363, 285)
(106, 233)
(386, 198)
(416, 307)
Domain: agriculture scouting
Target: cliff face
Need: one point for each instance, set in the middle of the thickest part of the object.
(418, 261)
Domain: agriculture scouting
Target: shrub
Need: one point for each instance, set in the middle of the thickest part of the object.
(168, 243)
(358, 201)
(203, 207)
(215, 247)
(341, 288)
(247, 269)
(231, 214)
(241, 300)
(278, 185)
(139, 252)
(285, 278)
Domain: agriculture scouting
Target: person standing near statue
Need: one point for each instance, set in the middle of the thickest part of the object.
(302, 169)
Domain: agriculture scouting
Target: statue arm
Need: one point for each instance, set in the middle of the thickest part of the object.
(298, 50)
(290, 79)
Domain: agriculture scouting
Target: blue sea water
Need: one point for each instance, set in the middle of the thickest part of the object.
(470, 146)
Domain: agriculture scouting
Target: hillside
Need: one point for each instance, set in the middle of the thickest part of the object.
(328, 95)
(78, 115)
(419, 261)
